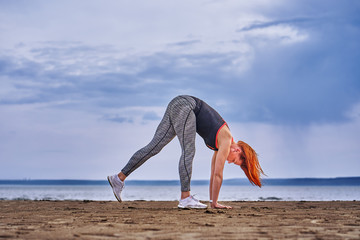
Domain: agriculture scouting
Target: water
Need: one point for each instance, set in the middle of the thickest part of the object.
(155, 192)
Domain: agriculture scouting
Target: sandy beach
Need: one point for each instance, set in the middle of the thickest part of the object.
(163, 220)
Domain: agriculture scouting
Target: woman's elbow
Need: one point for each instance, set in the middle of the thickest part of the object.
(218, 175)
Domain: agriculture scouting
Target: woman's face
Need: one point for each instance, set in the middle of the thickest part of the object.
(235, 155)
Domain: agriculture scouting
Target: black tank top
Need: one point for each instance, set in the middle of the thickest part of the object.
(208, 123)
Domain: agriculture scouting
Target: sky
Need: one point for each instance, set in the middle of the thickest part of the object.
(84, 84)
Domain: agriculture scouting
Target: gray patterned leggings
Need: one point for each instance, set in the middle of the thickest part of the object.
(179, 120)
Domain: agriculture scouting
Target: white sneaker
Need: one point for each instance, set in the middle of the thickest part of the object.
(117, 186)
(191, 202)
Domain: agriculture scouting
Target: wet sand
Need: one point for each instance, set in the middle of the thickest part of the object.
(163, 220)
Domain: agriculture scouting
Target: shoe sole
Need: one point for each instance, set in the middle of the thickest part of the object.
(192, 207)
(119, 199)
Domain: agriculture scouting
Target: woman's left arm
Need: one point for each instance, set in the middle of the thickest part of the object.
(217, 175)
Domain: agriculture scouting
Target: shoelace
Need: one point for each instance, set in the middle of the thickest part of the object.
(193, 197)
(121, 185)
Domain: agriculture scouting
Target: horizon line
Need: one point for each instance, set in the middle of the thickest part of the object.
(164, 180)
(83, 179)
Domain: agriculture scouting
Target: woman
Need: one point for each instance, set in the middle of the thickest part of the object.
(184, 117)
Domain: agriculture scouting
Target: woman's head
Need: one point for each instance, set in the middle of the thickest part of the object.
(250, 164)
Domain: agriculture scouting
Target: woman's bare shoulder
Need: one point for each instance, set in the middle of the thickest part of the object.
(224, 137)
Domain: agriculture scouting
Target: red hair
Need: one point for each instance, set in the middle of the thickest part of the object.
(251, 165)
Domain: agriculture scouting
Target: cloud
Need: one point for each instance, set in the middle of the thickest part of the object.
(67, 72)
(138, 115)
(184, 43)
(151, 116)
(119, 119)
(281, 34)
(267, 24)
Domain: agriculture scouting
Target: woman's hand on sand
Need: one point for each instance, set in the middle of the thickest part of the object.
(217, 205)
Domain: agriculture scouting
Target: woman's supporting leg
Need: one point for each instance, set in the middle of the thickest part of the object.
(184, 121)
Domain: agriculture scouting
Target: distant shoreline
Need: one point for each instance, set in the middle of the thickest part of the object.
(338, 181)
